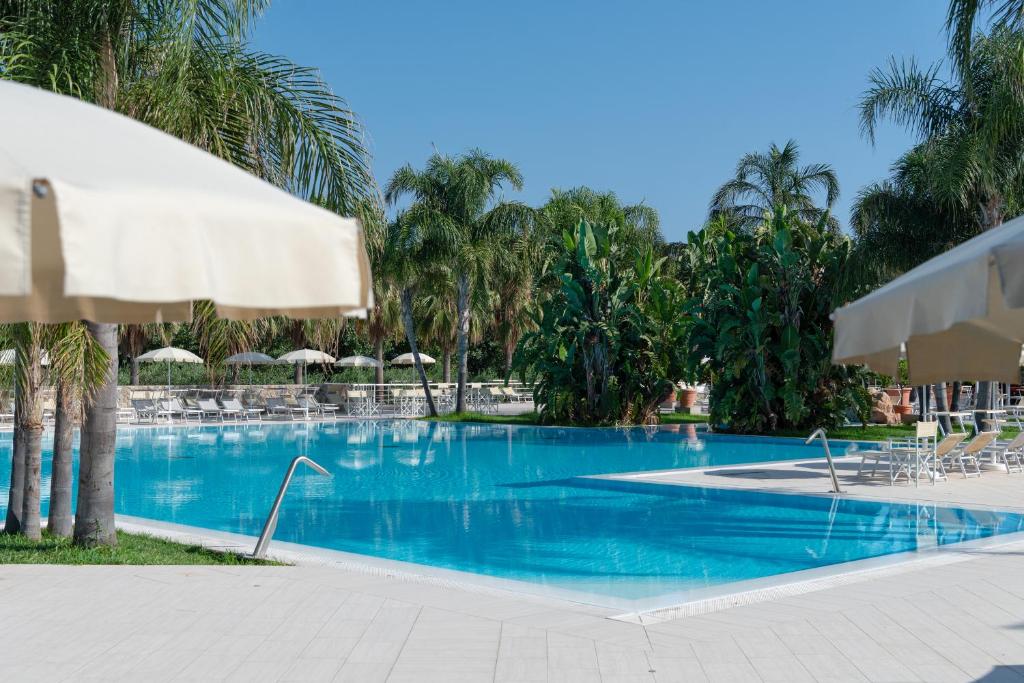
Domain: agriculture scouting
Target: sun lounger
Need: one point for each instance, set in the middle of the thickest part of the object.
(966, 457)
(1009, 453)
(209, 408)
(145, 410)
(234, 406)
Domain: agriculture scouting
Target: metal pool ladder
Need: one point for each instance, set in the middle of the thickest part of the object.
(828, 457)
(271, 524)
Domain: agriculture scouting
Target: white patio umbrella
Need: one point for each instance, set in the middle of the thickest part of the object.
(250, 358)
(304, 357)
(106, 219)
(7, 357)
(407, 359)
(357, 362)
(961, 315)
(169, 354)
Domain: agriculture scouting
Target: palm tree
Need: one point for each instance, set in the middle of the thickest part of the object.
(185, 67)
(960, 179)
(962, 18)
(763, 181)
(77, 366)
(438, 319)
(406, 249)
(457, 204)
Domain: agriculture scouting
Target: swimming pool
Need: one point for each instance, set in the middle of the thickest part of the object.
(513, 502)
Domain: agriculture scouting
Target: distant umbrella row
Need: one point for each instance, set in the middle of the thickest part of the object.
(171, 354)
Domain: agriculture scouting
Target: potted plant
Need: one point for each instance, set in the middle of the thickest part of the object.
(687, 398)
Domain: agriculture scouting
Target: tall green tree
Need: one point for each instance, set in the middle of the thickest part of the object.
(763, 181)
(964, 176)
(185, 67)
(458, 204)
(406, 250)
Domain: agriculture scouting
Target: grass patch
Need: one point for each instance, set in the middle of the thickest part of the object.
(682, 419)
(131, 549)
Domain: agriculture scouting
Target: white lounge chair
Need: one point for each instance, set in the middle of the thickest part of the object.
(966, 456)
(209, 408)
(1009, 453)
(235, 407)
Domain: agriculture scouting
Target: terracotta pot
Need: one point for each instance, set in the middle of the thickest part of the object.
(902, 409)
(687, 397)
(949, 396)
(905, 398)
(893, 393)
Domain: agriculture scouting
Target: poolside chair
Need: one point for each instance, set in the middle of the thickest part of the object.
(209, 408)
(1009, 453)
(966, 456)
(311, 405)
(145, 410)
(910, 457)
(229, 411)
(233, 406)
(277, 405)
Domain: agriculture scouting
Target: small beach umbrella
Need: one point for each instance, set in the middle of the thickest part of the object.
(250, 358)
(357, 362)
(169, 354)
(304, 357)
(961, 315)
(407, 359)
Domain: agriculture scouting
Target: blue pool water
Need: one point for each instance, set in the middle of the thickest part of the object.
(508, 502)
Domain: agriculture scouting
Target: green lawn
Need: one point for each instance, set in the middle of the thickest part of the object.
(131, 549)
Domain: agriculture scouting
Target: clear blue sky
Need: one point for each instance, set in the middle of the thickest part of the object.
(654, 99)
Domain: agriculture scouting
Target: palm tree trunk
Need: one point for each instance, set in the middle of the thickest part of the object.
(135, 373)
(462, 310)
(31, 426)
(410, 336)
(12, 524)
(379, 355)
(94, 513)
(940, 406)
(954, 405)
(298, 373)
(982, 402)
(510, 350)
(59, 522)
(446, 366)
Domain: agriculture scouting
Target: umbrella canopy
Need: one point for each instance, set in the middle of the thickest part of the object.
(106, 219)
(960, 314)
(407, 359)
(305, 356)
(358, 362)
(250, 358)
(169, 354)
(7, 357)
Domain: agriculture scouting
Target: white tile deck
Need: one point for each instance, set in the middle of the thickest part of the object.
(952, 622)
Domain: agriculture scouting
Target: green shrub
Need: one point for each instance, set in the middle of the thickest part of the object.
(608, 343)
(761, 327)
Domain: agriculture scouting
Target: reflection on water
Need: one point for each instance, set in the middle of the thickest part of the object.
(509, 501)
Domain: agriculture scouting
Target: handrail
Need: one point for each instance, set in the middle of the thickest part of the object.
(828, 456)
(271, 524)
